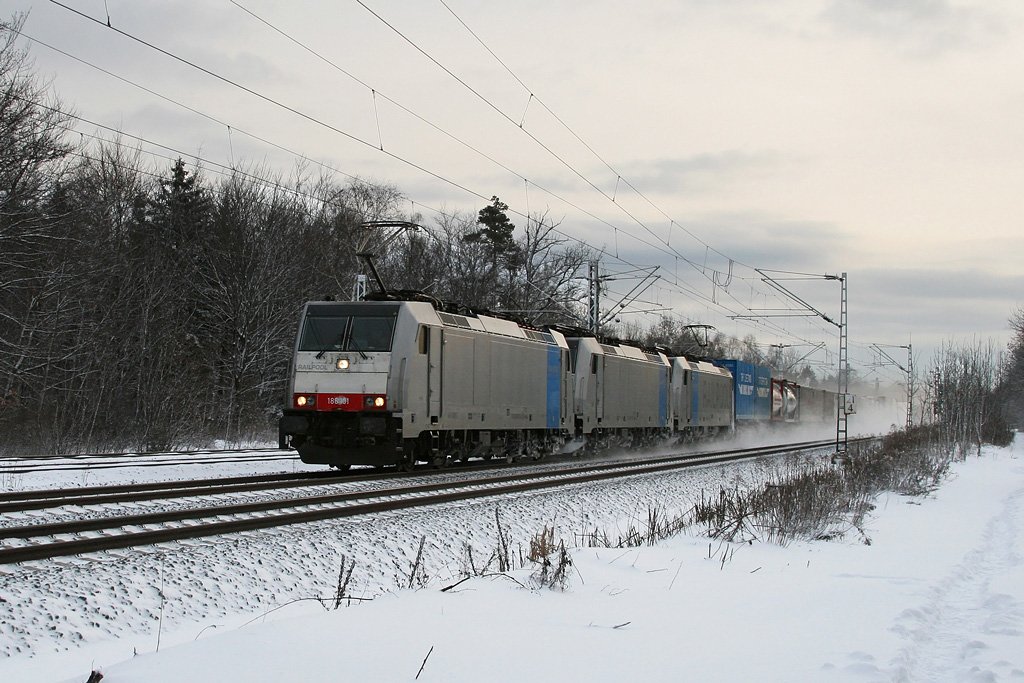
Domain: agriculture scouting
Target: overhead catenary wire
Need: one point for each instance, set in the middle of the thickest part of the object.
(477, 194)
(508, 118)
(480, 195)
(618, 175)
(210, 165)
(713, 278)
(590, 148)
(459, 140)
(272, 101)
(227, 172)
(672, 252)
(331, 127)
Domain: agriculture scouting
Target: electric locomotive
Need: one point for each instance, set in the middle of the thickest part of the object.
(396, 382)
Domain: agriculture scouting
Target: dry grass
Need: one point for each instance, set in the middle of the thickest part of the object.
(551, 559)
(826, 500)
(658, 525)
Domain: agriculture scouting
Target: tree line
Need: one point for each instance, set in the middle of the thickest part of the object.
(974, 391)
(149, 307)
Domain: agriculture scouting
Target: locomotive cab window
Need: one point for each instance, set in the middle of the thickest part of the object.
(340, 327)
(321, 333)
(370, 334)
(574, 349)
(423, 339)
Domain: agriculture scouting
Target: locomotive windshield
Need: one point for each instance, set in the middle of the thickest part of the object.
(351, 327)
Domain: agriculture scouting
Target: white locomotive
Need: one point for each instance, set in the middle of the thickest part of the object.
(396, 382)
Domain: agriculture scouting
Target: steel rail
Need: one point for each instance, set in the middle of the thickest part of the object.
(40, 499)
(21, 501)
(163, 516)
(459, 491)
(24, 501)
(206, 460)
(136, 454)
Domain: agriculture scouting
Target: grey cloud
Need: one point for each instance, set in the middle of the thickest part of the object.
(206, 34)
(920, 28)
(773, 243)
(700, 171)
(886, 305)
(946, 285)
(932, 305)
(247, 68)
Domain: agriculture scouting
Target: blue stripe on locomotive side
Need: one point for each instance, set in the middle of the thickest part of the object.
(695, 398)
(662, 397)
(554, 392)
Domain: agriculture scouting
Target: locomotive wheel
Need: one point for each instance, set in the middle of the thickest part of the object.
(342, 468)
(440, 461)
(408, 451)
(496, 447)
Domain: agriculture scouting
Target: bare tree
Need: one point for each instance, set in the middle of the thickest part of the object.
(33, 155)
(1010, 392)
(965, 377)
(547, 289)
(152, 308)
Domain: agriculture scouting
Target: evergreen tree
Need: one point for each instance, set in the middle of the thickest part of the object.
(496, 234)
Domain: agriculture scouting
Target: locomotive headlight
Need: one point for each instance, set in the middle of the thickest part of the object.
(300, 401)
(378, 402)
(304, 401)
(342, 364)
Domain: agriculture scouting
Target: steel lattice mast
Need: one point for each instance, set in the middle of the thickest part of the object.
(910, 386)
(844, 374)
(594, 297)
(844, 400)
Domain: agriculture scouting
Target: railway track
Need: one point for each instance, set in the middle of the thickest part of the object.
(16, 465)
(40, 499)
(81, 536)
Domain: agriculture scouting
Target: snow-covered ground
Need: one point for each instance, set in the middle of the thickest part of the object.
(938, 594)
(29, 474)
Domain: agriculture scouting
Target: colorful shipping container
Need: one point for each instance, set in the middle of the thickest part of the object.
(752, 389)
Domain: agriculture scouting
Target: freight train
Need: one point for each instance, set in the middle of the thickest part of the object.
(407, 379)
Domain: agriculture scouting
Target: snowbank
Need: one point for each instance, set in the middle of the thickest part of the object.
(937, 595)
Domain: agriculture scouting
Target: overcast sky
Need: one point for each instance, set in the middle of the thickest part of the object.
(884, 139)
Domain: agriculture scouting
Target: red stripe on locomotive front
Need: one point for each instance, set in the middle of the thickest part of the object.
(342, 402)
